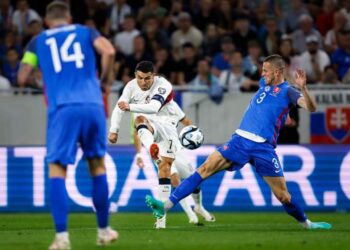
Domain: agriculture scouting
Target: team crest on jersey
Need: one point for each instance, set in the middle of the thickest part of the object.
(267, 88)
(276, 90)
(161, 90)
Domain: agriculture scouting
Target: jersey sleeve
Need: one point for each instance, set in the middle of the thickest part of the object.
(293, 95)
(94, 34)
(30, 55)
(161, 92)
(178, 111)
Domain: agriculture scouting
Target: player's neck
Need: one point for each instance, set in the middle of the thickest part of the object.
(58, 22)
(278, 81)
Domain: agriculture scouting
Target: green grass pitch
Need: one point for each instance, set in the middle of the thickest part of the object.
(230, 231)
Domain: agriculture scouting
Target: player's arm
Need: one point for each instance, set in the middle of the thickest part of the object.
(107, 52)
(28, 63)
(118, 114)
(305, 101)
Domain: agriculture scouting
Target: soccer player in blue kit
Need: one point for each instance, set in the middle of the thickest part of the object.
(255, 141)
(66, 57)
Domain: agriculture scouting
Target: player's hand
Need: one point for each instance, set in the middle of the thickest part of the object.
(300, 78)
(113, 137)
(124, 106)
(139, 161)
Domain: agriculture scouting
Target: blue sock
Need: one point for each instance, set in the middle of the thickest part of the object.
(59, 203)
(100, 199)
(185, 188)
(293, 209)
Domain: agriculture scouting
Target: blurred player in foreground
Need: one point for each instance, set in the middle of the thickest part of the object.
(65, 55)
(180, 169)
(255, 141)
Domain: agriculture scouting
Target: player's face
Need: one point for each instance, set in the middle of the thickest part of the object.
(270, 73)
(144, 80)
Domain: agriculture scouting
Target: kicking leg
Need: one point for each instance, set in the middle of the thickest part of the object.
(145, 133)
(214, 163)
(279, 189)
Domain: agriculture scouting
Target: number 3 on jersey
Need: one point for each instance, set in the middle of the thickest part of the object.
(61, 55)
(261, 98)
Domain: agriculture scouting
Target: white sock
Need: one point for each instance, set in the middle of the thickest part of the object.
(186, 208)
(197, 197)
(146, 137)
(306, 224)
(168, 205)
(62, 235)
(163, 195)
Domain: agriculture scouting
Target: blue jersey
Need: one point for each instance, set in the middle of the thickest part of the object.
(66, 58)
(268, 110)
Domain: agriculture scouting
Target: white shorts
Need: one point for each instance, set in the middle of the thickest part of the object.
(166, 137)
(181, 165)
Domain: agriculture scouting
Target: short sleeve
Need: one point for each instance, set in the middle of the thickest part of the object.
(162, 91)
(294, 95)
(94, 34)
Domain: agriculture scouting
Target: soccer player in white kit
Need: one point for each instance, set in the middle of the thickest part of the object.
(180, 169)
(151, 98)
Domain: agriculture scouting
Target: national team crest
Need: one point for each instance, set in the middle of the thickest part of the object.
(276, 90)
(338, 123)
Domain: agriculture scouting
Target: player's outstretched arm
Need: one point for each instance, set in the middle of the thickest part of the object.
(306, 101)
(23, 74)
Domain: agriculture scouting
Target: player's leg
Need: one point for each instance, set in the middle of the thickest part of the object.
(175, 182)
(214, 163)
(279, 189)
(146, 133)
(93, 142)
(100, 200)
(185, 170)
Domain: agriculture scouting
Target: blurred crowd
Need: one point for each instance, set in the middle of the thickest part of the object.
(197, 42)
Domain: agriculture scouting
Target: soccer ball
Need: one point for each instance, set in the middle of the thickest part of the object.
(191, 137)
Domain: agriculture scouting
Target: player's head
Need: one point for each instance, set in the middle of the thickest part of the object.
(57, 12)
(273, 69)
(144, 73)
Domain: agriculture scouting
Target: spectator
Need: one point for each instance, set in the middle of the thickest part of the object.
(206, 15)
(225, 18)
(23, 16)
(185, 32)
(346, 12)
(270, 36)
(332, 36)
(140, 54)
(151, 8)
(305, 29)
(10, 41)
(211, 43)
(171, 20)
(155, 37)
(291, 16)
(34, 28)
(11, 66)
(204, 77)
(243, 33)
(252, 63)
(119, 10)
(325, 21)
(341, 56)
(286, 51)
(186, 68)
(163, 64)
(221, 60)
(123, 41)
(314, 60)
(6, 12)
(233, 80)
(330, 76)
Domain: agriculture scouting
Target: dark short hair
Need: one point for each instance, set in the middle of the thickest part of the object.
(57, 10)
(276, 60)
(188, 45)
(145, 67)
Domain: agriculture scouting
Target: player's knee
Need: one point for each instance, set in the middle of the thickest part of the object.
(140, 120)
(283, 197)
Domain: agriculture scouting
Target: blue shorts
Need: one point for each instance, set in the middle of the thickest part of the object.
(69, 125)
(262, 156)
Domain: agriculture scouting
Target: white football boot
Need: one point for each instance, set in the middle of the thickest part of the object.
(204, 213)
(106, 236)
(61, 242)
